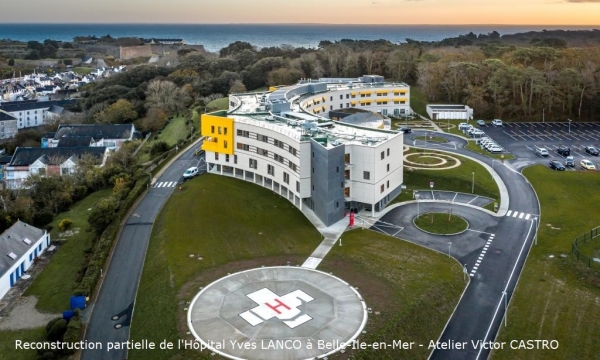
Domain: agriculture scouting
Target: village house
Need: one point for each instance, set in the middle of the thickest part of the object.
(112, 136)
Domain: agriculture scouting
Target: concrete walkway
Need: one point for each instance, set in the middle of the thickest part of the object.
(331, 234)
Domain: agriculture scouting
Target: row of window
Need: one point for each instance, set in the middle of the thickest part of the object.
(264, 138)
(269, 154)
(221, 130)
(253, 164)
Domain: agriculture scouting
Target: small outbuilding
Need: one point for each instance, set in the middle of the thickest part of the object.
(448, 111)
(20, 245)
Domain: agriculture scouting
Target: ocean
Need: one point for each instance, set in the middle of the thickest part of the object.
(217, 36)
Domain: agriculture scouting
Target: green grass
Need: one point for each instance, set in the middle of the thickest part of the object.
(418, 101)
(7, 343)
(436, 139)
(457, 179)
(83, 70)
(451, 126)
(232, 225)
(218, 104)
(414, 289)
(557, 298)
(441, 223)
(54, 285)
(175, 131)
(471, 145)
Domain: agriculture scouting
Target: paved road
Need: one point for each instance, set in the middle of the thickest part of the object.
(117, 294)
(498, 259)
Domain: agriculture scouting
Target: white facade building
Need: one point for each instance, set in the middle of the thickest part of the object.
(20, 245)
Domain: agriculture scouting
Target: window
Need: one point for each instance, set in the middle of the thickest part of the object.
(388, 152)
(239, 132)
(342, 185)
(367, 175)
(337, 169)
(331, 98)
(240, 146)
(330, 107)
(263, 152)
(313, 154)
(271, 170)
(235, 159)
(341, 106)
(219, 130)
(337, 204)
(253, 164)
(224, 131)
(297, 186)
(313, 169)
(216, 156)
(226, 158)
(382, 188)
(212, 129)
(286, 178)
(347, 105)
(388, 167)
(341, 97)
(347, 96)
(225, 144)
(382, 155)
(388, 184)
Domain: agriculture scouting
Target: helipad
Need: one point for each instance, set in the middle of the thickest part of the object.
(277, 313)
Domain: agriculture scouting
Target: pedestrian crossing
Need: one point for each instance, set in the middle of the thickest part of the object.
(518, 215)
(165, 184)
(481, 255)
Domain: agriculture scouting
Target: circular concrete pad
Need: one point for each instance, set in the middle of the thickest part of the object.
(277, 313)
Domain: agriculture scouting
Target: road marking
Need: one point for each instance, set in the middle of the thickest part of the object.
(483, 251)
(515, 214)
(521, 216)
(527, 217)
(509, 212)
(473, 199)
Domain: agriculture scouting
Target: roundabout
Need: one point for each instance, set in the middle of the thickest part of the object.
(277, 313)
(441, 223)
(430, 161)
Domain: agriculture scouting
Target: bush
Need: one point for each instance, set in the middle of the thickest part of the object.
(72, 333)
(103, 214)
(57, 330)
(51, 324)
(64, 224)
(159, 148)
(11, 62)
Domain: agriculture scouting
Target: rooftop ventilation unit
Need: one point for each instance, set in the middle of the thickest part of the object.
(12, 255)
(27, 241)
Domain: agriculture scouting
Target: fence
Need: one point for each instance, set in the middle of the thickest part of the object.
(591, 262)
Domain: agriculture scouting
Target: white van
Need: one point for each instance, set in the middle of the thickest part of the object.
(497, 122)
(541, 151)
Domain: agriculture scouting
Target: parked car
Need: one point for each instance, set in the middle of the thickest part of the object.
(190, 173)
(541, 151)
(481, 123)
(588, 165)
(497, 122)
(556, 165)
(476, 132)
(405, 130)
(463, 126)
(563, 150)
(591, 150)
(570, 161)
(496, 149)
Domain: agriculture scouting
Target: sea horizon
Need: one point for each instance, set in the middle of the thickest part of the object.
(308, 35)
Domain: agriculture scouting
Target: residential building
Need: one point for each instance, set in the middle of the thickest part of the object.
(8, 125)
(30, 113)
(111, 136)
(48, 161)
(277, 140)
(20, 246)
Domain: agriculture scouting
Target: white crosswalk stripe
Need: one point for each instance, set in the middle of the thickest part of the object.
(521, 216)
(527, 217)
(481, 255)
(515, 214)
(165, 184)
(518, 214)
(509, 212)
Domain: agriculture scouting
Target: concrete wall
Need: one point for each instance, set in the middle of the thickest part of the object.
(328, 182)
(130, 52)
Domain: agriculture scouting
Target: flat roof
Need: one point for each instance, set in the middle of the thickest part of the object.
(239, 315)
(447, 107)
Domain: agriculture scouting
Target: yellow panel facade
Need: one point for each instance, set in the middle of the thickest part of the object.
(218, 131)
(367, 92)
(382, 91)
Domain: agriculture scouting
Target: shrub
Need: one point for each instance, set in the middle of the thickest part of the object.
(103, 214)
(11, 62)
(51, 324)
(159, 148)
(72, 333)
(64, 224)
(57, 330)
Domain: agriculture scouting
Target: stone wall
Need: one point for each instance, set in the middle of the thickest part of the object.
(131, 52)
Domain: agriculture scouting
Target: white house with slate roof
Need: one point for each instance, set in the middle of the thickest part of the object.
(20, 245)
(111, 136)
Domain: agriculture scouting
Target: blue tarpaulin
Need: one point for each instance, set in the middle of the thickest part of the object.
(77, 302)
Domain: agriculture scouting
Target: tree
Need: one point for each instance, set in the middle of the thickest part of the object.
(283, 76)
(11, 62)
(237, 87)
(120, 112)
(155, 119)
(103, 213)
(166, 96)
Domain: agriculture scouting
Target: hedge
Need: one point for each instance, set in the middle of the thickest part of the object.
(102, 248)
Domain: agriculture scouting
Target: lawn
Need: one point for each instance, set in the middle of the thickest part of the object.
(457, 179)
(175, 131)
(232, 225)
(54, 286)
(435, 139)
(218, 104)
(7, 343)
(414, 290)
(82, 70)
(557, 298)
(441, 223)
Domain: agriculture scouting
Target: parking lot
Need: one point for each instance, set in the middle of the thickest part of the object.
(520, 139)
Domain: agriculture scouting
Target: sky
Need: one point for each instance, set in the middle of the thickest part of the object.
(521, 12)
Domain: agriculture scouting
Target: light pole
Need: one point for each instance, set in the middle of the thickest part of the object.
(449, 248)
(505, 314)
(536, 228)
(418, 210)
(493, 161)
(473, 183)
(543, 118)
(569, 126)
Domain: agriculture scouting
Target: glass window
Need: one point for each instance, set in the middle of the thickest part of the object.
(366, 175)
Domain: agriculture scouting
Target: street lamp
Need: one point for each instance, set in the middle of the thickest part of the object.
(449, 248)
(418, 210)
(543, 118)
(505, 314)
(473, 183)
(536, 228)
(570, 126)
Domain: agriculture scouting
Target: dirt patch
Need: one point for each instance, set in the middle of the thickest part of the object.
(24, 315)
